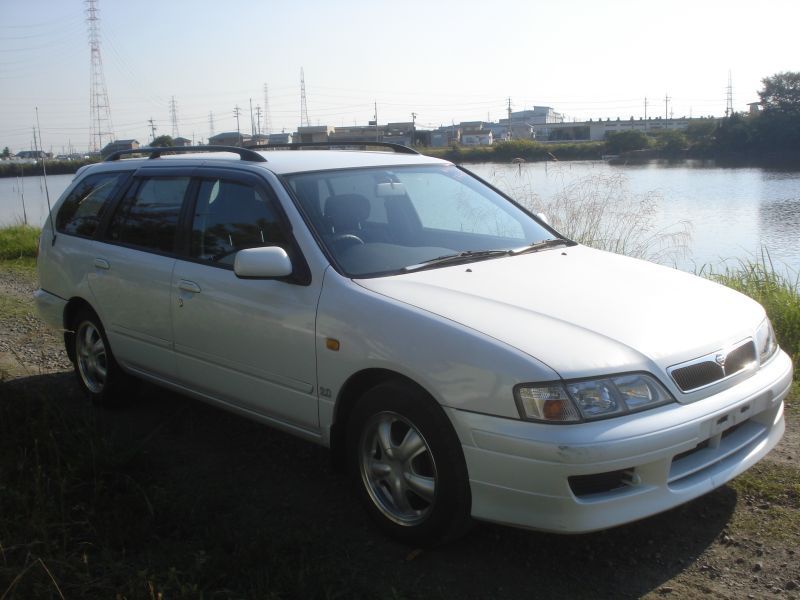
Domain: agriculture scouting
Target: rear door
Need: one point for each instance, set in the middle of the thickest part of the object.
(245, 342)
(131, 278)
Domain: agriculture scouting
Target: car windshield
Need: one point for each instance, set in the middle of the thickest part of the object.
(378, 221)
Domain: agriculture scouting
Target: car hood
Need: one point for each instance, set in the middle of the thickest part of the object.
(581, 311)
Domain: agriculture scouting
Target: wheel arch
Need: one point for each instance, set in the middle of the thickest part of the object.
(74, 306)
(355, 387)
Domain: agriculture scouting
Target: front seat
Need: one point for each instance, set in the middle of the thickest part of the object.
(345, 213)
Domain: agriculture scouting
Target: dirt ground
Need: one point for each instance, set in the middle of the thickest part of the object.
(737, 542)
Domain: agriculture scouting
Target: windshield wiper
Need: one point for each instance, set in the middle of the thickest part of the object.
(536, 246)
(460, 257)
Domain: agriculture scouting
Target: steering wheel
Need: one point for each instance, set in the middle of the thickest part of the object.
(343, 241)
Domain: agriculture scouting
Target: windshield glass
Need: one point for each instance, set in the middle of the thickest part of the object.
(376, 221)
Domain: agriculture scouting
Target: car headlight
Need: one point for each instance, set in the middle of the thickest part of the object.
(588, 399)
(765, 341)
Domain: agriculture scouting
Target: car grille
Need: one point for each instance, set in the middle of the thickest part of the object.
(706, 370)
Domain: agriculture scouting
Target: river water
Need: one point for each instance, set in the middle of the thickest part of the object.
(733, 212)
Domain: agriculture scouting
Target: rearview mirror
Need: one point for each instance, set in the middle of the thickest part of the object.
(268, 261)
(390, 188)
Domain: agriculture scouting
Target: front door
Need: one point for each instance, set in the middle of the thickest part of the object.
(245, 342)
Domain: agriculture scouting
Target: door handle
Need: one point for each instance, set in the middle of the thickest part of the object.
(188, 286)
(101, 263)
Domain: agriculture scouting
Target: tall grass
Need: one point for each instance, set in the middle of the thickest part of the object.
(778, 293)
(18, 241)
(602, 211)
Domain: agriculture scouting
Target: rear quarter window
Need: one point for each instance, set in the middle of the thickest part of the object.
(81, 211)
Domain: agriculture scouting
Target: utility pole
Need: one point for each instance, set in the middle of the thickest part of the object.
(236, 111)
(258, 119)
(376, 122)
(413, 129)
(509, 118)
(645, 113)
(666, 105)
(152, 128)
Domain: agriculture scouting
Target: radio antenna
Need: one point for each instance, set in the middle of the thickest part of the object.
(44, 172)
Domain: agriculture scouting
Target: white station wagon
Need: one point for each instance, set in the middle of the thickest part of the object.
(459, 356)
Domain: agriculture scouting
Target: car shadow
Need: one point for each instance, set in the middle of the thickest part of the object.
(244, 497)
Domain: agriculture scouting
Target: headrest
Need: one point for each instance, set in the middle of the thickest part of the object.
(346, 209)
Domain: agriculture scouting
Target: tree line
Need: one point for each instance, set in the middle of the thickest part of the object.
(770, 134)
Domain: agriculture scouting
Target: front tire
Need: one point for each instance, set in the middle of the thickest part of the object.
(407, 466)
(99, 376)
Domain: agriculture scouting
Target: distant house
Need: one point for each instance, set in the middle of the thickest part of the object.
(259, 139)
(181, 141)
(229, 138)
(118, 145)
(399, 133)
(314, 133)
(33, 154)
(475, 133)
(356, 134)
(445, 136)
(280, 138)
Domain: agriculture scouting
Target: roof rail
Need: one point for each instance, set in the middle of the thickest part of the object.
(244, 153)
(398, 148)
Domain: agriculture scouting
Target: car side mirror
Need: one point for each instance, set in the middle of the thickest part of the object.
(543, 218)
(268, 261)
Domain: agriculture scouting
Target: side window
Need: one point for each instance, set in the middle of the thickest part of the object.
(148, 218)
(230, 217)
(82, 210)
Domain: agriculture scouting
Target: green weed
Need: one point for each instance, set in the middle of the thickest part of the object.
(779, 294)
(18, 241)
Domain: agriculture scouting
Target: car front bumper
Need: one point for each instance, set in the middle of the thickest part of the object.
(590, 476)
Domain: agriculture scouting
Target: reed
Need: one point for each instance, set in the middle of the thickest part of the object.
(776, 289)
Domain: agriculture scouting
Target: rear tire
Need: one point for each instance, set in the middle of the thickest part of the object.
(406, 465)
(99, 376)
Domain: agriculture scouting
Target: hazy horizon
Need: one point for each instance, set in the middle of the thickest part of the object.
(447, 61)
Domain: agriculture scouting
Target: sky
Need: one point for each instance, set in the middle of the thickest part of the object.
(446, 61)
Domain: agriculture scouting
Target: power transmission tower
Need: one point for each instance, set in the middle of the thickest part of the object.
(729, 103)
(509, 118)
(303, 106)
(100, 125)
(267, 124)
(173, 116)
(211, 124)
(152, 128)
